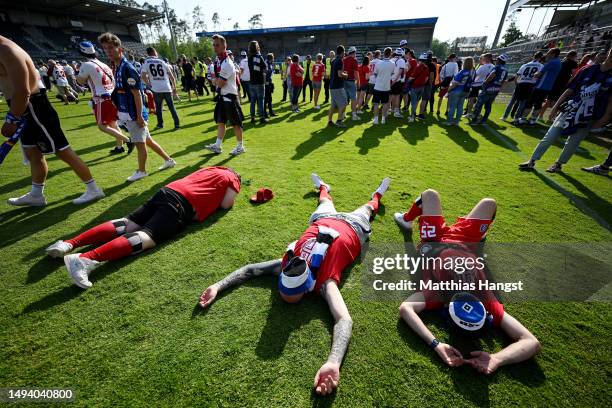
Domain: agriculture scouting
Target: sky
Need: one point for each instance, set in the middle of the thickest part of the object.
(455, 18)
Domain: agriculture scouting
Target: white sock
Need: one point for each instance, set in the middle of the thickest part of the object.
(91, 186)
(37, 189)
(218, 142)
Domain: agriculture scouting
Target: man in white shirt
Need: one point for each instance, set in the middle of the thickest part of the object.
(70, 76)
(397, 80)
(375, 60)
(159, 77)
(525, 81)
(383, 72)
(228, 107)
(482, 73)
(447, 73)
(61, 82)
(245, 75)
(99, 77)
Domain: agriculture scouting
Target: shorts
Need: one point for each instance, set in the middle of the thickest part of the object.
(396, 88)
(474, 91)
(523, 91)
(363, 88)
(359, 219)
(190, 83)
(370, 89)
(228, 109)
(555, 93)
(137, 134)
(338, 98)
(380, 96)
(105, 111)
(43, 129)
(316, 84)
(351, 89)
(446, 82)
(164, 215)
(406, 88)
(426, 92)
(433, 228)
(443, 91)
(537, 97)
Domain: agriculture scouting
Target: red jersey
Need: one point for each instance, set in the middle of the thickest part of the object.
(363, 70)
(294, 69)
(411, 64)
(350, 65)
(205, 188)
(420, 73)
(340, 254)
(318, 70)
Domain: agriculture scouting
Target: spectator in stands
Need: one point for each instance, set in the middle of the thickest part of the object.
(268, 111)
(337, 92)
(318, 72)
(296, 73)
(189, 73)
(326, 79)
(283, 71)
(307, 78)
(364, 79)
(351, 67)
(257, 87)
(458, 90)
(245, 75)
(447, 73)
(159, 76)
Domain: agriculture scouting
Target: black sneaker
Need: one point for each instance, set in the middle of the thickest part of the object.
(130, 146)
(159, 127)
(330, 124)
(421, 116)
(273, 114)
(253, 121)
(117, 150)
(263, 121)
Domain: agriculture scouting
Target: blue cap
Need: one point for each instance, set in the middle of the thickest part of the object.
(467, 312)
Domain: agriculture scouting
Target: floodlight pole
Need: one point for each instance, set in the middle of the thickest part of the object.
(501, 24)
(172, 37)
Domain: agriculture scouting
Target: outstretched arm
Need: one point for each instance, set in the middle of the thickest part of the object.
(239, 276)
(524, 347)
(328, 375)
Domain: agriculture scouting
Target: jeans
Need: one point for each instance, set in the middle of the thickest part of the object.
(484, 99)
(455, 105)
(512, 106)
(554, 133)
(257, 94)
(160, 97)
(268, 99)
(307, 84)
(415, 97)
(295, 94)
(245, 89)
(284, 90)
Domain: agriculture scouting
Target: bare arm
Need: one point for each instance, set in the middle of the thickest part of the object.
(564, 96)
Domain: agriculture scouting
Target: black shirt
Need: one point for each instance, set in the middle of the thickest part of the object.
(257, 68)
(336, 82)
(567, 67)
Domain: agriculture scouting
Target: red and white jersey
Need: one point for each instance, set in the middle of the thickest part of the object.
(59, 75)
(373, 63)
(99, 77)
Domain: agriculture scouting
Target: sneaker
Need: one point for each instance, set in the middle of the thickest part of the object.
(117, 150)
(238, 150)
(528, 165)
(137, 175)
(375, 121)
(130, 146)
(88, 196)
(598, 130)
(519, 121)
(263, 121)
(383, 187)
(410, 119)
(159, 127)
(356, 117)
(532, 121)
(399, 219)
(253, 121)
(297, 110)
(383, 120)
(318, 182)
(448, 123)
(79, 269)
(168, 164)
(330, 124)
(317, 107)
(598, 169)
(503, 118)
(554, 168)
(59, 249)
(397, 115)
(213, 148)
(340, 124)
(28, 200)
(422, 116)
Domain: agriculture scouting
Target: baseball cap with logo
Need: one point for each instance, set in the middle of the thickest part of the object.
(423, 56)
(467, 312)
(403, 42)
(503, 58)
(243, 54)
(399, 51)
(87, 48)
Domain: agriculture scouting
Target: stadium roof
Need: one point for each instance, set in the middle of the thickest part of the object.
(93, 9)
(431, 21)
(547, 4)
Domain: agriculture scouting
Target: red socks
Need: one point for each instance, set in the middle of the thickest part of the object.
(96, 235)
(324, 194)
(374, 202)
(116, 249)
(415, 211)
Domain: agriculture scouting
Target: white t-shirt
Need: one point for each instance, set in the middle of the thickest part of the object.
(373, 63)
(68, 70)
(482, 73)
(244, 66)
(383, 71)
(60, 76)
(99, 77)
(228, 73)
(211, 71)
(399, 69)
(157, 72)
(449, 69)
(527, 72)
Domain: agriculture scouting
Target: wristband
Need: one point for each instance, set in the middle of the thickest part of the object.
(434, 343)
(11, 118)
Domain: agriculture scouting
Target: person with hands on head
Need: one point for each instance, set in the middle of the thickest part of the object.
(468, 314)
(315, 263)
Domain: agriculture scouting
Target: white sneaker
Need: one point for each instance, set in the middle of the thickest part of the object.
(213, 148)
(88, 196)
(28, 200)
(410, 119)
(383, 120)
(532, 121)
(519, 121)
(317, 107)
(168, 164)
(137, 175)
(383, 187)
(375, 121)
(318, 182)
(503, 118)
(399, 219)
(79, 269)
(355, 117)
(397, 115)
(238, 150)
(59, 249)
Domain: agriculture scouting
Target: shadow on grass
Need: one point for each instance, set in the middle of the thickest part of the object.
(414, 133)
(462, 138)
(602, 206)
(371, 136)
(317, 139)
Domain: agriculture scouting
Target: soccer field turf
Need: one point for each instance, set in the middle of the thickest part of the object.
(137, 338)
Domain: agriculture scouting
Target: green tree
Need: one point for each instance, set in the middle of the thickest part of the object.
(440, 49)
(215, 20)
(197, 17)
(236, 26)
(255, 21)
(512, 34)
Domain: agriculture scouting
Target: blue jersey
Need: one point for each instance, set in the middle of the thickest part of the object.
(501, 73)
(549, 72)
(127, 78)
(464, 79)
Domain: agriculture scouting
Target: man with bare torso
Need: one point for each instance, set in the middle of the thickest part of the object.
(37, 125)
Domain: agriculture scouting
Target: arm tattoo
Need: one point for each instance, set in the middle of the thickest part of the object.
(342, 335)
(247, 272)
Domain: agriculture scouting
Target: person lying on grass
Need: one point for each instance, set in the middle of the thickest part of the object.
(195, 196)
(468, 313)
(314, 263)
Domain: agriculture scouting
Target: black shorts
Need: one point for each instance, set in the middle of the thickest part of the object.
(446, 82)
(380, 96)
(164, 215)
(537, 98)
(370, 90)
(42, 129)
(474, 91)
(523, 91)
(190, 83)
(556, 93)
(396, 88)
(228, 109)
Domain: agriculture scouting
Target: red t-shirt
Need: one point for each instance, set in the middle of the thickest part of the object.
(410, 65)
(363, 70)
(433, 299)
(340, 254)
(420, 73)
(318, 70)
(350, 65)
(296, 80)
(205, 188)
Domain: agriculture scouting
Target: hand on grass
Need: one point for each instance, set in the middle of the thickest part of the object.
(449, 355)
(483, 362)
(208, 296)
(326, 380)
